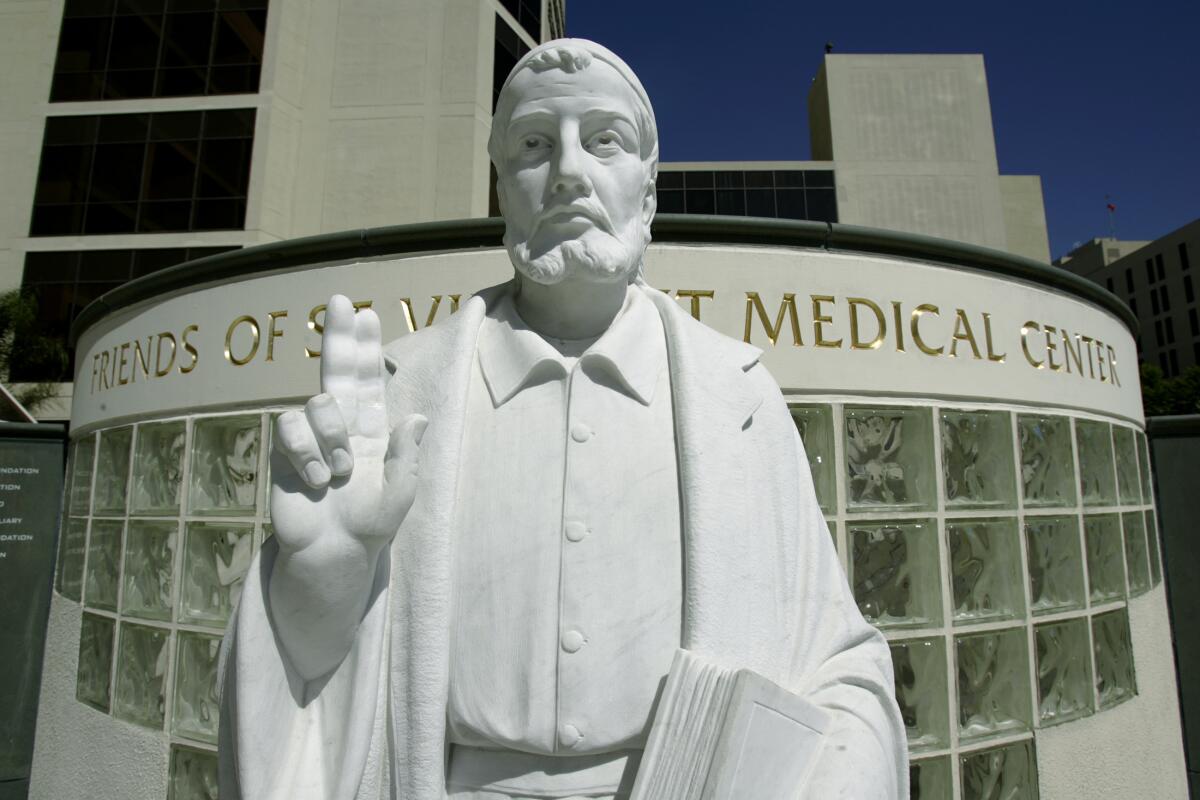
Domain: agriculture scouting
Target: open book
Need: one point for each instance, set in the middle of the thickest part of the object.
(722, 734)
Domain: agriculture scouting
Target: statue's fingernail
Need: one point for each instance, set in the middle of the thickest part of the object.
(316, 473)
(342, 463)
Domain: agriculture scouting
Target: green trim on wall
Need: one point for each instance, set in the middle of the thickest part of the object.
(470, 234)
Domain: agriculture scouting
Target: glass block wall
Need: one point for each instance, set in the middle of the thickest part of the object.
(163, 519)
(995, 547)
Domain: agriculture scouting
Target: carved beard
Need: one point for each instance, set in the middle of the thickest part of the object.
(602, 257)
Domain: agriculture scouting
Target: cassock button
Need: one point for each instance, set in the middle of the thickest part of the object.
(572, 641)
(575, 531)
(580, 432)
(569, 735)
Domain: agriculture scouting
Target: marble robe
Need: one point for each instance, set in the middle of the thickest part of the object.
(762, 589)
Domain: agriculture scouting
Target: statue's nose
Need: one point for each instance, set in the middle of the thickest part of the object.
(570, 173)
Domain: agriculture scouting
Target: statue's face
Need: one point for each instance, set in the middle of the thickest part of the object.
(576, 194)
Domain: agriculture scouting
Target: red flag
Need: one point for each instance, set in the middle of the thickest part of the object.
(1111, 207)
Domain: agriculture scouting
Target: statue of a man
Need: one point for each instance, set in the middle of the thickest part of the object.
(484, 561)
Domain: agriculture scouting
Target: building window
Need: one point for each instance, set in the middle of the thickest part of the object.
(507, 50)
(1174, 358)
(1164, 299)
(1170, 324)
(1154, 302)
(1196, 352)
(65, 282)
(1162, 363)
(556, 19)
(1133, 305)
(528, 14)
(1158, 264)
(1150, 271)
(784, 194)
(1108, 284)
(1158, 332)
(144, 173)
(1184, 264)
(1188, 292)
(151, 48)
(1129, 280)
(1194, 322)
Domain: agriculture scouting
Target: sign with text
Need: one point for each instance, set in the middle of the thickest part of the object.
(828, 323)
(31, 480)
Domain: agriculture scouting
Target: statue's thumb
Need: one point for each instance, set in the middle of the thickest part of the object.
(400, 462)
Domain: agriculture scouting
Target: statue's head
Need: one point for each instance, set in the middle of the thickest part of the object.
(575, 147)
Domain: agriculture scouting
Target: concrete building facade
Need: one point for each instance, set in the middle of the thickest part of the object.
(136, 135)
(1155, 280)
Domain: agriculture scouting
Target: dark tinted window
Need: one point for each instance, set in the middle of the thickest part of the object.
(133, 48)
(65, 282)
(506, 52)
(1184, 262)
(786, 194)
(528, 14)
(127, 173)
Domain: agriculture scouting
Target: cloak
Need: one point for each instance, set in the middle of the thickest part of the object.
(762, 589)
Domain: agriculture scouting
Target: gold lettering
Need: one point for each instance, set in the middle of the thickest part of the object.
(1028, 327)
(141, 359)
(1112, 365)
(272, 333)
(454, 298)
(1100, 360)
(112, 378)
(319, 327)
(820, 319)
(696, 296)
(987, 338)
(898, 316)
(962, 333)
(915, 329)
(254, 339)
(856, 341)
(788, 307)
(1087, 340)
(121, 379)
(316, 327)
(191, 350)
(410, 317)
(1070, 346)
(1051, 348)
(159, 369)
(104, 370)
(95, 370)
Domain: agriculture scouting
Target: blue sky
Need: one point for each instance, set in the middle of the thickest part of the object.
(1099, 98)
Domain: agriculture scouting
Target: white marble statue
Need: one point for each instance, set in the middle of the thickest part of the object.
(492, 535)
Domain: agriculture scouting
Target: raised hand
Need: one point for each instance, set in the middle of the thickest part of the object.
(337, 469)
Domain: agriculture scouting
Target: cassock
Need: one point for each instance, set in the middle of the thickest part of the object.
(762, 589)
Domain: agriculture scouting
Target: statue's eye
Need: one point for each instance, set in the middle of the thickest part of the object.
(531, 142)
(605, 142)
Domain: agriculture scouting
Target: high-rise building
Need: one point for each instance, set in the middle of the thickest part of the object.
(142, 133)
(1155, 280)
(901, 142)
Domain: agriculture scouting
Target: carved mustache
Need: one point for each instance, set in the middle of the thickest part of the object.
(582, 207)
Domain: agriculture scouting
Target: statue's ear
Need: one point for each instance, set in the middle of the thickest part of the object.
(649, 203)
(500, 195)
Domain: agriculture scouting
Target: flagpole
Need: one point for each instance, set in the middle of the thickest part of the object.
(1112, 217)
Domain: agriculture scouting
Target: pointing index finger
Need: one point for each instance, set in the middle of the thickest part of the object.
(372, 409)
(338, 358)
